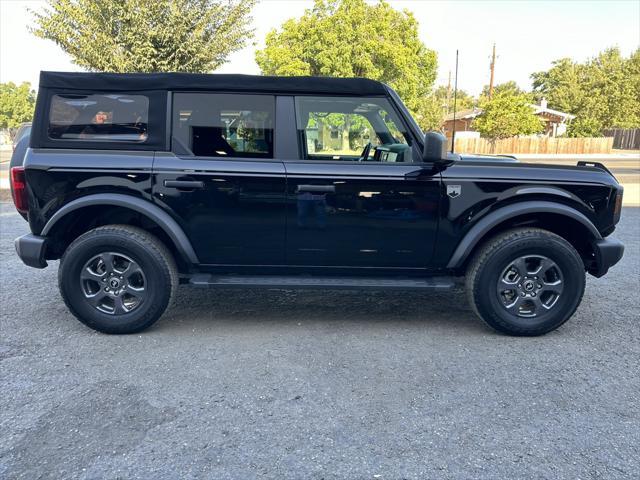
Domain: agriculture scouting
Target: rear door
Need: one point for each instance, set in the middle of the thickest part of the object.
(223, 180)
(354, 199)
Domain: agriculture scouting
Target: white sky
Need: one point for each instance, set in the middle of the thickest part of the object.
(529, 35)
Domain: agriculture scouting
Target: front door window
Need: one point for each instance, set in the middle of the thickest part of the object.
(351, 129)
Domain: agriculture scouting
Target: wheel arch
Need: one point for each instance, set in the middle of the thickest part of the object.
(169, 228)
(558, 218)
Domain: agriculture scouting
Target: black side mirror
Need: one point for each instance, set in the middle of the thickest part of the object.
(435, 148)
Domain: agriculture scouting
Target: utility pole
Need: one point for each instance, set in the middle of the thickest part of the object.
(492, 67)
(455, 107)
(448, 93)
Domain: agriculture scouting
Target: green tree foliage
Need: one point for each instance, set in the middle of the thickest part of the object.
(507, 114)
(603, 92)
(464, 101)
(351, 38)
(433, 108)
(147, 35)
(430, 113)
(509, 87)
(16, 105)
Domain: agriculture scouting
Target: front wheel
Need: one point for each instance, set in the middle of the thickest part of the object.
(117, 278)
(526, 282)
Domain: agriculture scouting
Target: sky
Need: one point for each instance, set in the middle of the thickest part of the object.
(528, 35)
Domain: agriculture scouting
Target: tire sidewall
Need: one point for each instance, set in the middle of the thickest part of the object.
(158, 290)
(572, 270)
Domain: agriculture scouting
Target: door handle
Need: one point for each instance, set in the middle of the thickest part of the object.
(317, 188)
(184, 184)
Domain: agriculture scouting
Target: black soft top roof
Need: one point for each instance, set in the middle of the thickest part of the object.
(198, 81)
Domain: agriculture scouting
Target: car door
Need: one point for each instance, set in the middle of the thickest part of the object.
(354, 205)
(223, 180)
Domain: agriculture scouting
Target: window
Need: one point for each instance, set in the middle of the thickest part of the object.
(351, 129)
(99, 117)
(224, 125)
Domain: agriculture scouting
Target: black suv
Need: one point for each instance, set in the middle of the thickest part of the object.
(140, 181)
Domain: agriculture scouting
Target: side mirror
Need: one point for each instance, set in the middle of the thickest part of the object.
(435, 148)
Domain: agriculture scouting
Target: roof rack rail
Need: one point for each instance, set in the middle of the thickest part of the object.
(586, 163)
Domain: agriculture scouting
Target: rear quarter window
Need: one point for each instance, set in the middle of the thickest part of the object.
(99, 118)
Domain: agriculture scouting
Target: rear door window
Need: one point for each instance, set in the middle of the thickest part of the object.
(99, 117)
(224, 125)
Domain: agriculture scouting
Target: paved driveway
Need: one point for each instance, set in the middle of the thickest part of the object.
(333, 385)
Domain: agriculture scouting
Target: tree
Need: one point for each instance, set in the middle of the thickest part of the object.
(16, 105)
(432, 109)
(351, 38)
(147, 35)
(463, 100)
(603, 92)
(430, 113)
(507, 114)
(509, 87)
(560, 85)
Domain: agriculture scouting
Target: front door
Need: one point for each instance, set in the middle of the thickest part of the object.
(356, 197)
(222, 180)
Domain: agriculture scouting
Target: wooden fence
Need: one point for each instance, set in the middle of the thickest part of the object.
(624, 139)
(544, 145)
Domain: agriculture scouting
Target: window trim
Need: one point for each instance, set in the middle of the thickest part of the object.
(179, 154)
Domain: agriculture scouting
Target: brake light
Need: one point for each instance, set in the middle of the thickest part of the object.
(19, 189)
(617, 209)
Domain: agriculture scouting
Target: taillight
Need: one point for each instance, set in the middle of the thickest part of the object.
(617, 209)
(19, 189)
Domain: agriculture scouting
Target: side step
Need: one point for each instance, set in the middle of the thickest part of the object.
(298, 281)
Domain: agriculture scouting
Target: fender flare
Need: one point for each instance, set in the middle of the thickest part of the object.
(486, 223)
(145, 207)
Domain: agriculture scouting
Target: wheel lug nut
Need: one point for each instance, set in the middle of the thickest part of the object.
(533, 294)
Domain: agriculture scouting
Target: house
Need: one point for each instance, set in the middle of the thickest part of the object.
(555, 122)
(464, 121)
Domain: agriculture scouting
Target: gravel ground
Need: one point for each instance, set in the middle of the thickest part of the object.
(322, 385)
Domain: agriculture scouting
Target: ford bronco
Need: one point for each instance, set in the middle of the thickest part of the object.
(139, 182)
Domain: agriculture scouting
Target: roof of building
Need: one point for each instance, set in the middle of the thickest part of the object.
(542, 109)
(471, 113)
(464, 114)
(199, 81)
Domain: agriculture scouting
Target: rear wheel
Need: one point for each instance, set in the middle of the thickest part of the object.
(526, 282)
(117, 279)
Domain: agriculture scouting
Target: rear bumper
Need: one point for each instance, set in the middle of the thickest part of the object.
(608, 252)
(31, 250)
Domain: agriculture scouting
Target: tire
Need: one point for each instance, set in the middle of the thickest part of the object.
(135, 266)
(506, 292)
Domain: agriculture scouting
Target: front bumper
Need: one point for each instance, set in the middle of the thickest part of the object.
(608, 252)
(31, 250)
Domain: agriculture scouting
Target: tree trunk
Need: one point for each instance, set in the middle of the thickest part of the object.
(345, 133)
